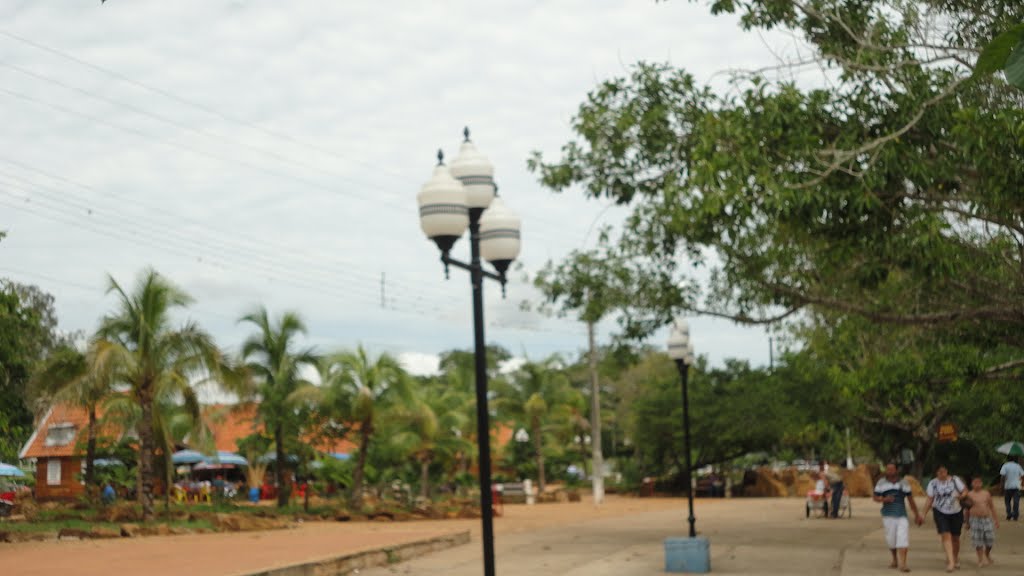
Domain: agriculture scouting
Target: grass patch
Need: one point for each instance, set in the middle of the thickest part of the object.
(86, 525)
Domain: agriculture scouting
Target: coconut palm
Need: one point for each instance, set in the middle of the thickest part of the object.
(356, 388)
(432, 428)
(71, 376)
(177, 417)
(141, 348)
(275, 365)
(540, 395)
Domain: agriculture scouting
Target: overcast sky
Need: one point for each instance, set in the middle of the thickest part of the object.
(271, 152)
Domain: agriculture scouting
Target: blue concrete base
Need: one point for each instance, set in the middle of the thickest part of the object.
(692, 555)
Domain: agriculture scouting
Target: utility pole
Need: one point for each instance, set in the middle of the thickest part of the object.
(771, 354)
(383, 291)
(596, 457)
(849, 453)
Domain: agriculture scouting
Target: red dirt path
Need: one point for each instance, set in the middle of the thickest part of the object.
(246, 552)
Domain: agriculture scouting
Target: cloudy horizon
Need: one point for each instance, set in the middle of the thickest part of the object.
(261, 155)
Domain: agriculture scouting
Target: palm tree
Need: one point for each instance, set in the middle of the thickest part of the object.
(71, 376)
(540, 396)
(274, 362)
(432, 428)
(177, 416)
(139, 346)
(356, 388)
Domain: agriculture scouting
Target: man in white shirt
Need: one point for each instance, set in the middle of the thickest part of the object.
(1011, 473)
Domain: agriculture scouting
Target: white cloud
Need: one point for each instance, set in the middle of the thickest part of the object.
(419, 363)
(217, 200)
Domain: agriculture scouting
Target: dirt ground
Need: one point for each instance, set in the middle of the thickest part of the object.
(243, 553)
(748, 536)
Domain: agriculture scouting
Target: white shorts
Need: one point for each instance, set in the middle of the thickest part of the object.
(897, 532)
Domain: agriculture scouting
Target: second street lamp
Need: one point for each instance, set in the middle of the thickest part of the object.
(680, 349)
(685, 554)
(452, 200)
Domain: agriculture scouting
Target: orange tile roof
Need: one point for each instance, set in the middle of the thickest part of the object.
(61, 415)
(503, 433)
(229, 424)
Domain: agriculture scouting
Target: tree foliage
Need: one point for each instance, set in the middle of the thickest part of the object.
(28, 334)
(890, 193)
(275, 366)
(156, 360)
(359, 388)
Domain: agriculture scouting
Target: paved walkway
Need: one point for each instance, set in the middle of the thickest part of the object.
(208, 554)
(749, 537)
(624, 537)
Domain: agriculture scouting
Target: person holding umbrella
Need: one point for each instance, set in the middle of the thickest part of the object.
(1011, 474)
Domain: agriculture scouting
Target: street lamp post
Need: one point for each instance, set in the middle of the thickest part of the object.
(680, 349)
(455, 198)
(691, 554)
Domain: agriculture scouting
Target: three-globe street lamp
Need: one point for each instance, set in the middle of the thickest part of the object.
(457, 197)
(680, 349)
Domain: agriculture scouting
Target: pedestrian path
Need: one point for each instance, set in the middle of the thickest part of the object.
(229, 554)
(748, 537)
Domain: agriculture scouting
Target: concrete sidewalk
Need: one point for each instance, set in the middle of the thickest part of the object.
(753, 536)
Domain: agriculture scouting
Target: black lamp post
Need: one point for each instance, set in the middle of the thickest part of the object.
(452, 200)
(680, 349)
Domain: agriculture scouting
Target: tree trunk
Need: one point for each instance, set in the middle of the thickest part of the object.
(537, 442)
(356, 497)
(168, 476)
(90, 456)
(425, 477)
(145, 430)
(283, 491)
(596, 456)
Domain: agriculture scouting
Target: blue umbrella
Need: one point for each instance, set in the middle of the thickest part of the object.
(187, 457)
(227, 458)
(272, 457)
(105, 462)
(8, 470)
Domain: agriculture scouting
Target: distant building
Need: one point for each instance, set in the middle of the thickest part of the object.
(58, 444)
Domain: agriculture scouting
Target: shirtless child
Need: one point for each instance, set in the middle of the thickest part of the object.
(982, 521)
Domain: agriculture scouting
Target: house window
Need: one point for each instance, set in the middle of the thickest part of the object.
(53, 471)
(60, 435)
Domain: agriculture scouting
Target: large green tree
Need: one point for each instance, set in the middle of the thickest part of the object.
(144, 350)
(735, 410)
(28, 334)
(275, 362)
(889, 192)
(897, 384)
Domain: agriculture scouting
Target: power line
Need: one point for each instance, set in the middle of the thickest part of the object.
(143, 239)
(182, 147)
(177, 124)
(254, 249)
(141, 236)
(404, 209)
(191, 103)
(59, 203)
(207, 109)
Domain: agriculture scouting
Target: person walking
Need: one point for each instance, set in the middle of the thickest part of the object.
(835, 483)
(894, 494)
(1011, 473)
(944, 495)
(980, 518)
